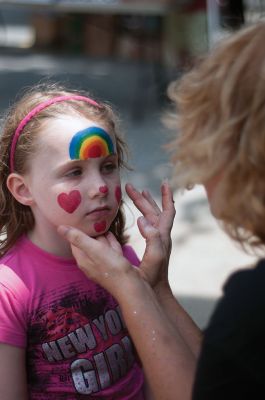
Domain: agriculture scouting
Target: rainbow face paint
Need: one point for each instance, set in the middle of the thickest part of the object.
(100, 226)
(92, 142)
(69, 202)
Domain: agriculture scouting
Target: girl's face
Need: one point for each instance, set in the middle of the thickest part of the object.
(66, 189)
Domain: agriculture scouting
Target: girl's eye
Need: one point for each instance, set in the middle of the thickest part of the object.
(74, 172)
(109, 167)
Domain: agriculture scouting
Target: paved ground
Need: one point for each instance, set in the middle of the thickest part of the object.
(202, 256)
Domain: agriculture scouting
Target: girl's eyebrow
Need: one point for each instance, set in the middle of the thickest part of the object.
(111, 156)
(78, 163)
(67, 165)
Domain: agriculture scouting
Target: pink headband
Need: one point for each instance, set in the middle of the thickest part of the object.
(34, 112)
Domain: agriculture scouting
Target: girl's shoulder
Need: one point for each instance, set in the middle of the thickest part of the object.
(10, 265)
(17, 255)
(131, 255)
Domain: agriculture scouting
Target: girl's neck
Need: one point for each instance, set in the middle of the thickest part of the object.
(52, 242)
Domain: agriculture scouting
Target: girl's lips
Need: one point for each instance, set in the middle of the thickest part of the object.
(99, 213)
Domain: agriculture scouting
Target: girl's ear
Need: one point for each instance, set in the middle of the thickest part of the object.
(18, 187)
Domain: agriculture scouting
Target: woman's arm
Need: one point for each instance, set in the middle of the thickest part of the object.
(13, 384)
(168, 361)
(166, 338)
(163, 220)
(178, 316)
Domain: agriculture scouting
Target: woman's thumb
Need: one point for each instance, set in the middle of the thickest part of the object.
(154, 247)
(147, 230)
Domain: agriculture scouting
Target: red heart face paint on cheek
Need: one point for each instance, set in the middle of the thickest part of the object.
(118, 194)
(100, 226)
(69, 202)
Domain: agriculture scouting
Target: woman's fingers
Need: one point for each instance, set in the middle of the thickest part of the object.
(168, 208)
(113, 242)
(149, 208)
(79, 239)
(86, 250)
(98, 257)
(146, 194)
(167, 197)
(154, 253)
(141, 202)
(103, 239)
(145, 202)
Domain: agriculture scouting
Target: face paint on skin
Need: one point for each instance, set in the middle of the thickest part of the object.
(91, 142)
(103, 189)
(69, 202)
(100, 226)
(118, 194)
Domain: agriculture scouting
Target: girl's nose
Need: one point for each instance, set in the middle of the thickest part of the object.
(104, 190)
(98, 189)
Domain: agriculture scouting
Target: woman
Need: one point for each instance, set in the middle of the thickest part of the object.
(220, 120)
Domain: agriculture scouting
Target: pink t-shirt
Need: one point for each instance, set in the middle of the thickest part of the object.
(76, 342)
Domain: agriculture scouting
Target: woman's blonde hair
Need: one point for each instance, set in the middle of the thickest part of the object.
(220, 125)
(15, 218)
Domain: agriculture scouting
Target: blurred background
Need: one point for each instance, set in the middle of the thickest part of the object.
(126, 52)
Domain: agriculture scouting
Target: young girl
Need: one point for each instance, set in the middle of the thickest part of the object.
(62, 336)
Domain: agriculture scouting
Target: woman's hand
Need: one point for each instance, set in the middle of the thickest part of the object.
(102, 260)
(154, 267)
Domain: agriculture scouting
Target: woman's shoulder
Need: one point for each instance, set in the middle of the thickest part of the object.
(242, 303)
(249, 280)
(244, 290)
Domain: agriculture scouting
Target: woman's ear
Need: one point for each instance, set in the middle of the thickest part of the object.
(18, 187)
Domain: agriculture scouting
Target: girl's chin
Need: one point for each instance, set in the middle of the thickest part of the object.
(97, 230)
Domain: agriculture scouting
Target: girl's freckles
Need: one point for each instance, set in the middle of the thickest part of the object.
(118, 194)
(100, 226)
(69, 202)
